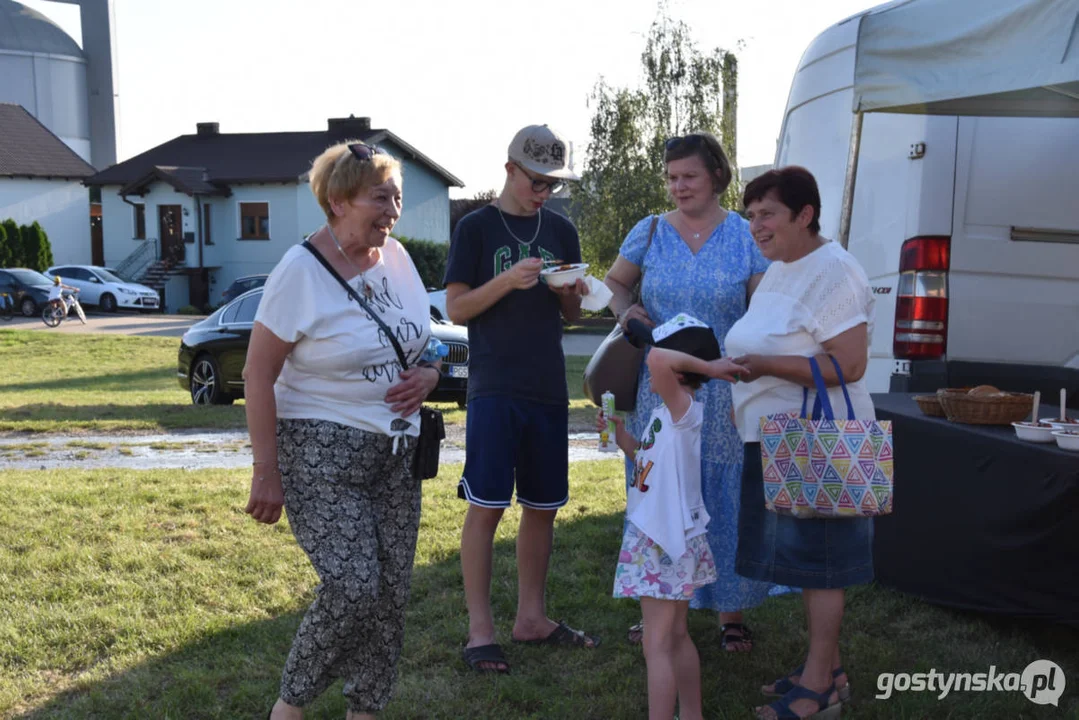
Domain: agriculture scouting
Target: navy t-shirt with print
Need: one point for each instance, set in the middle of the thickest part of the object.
(515, 346)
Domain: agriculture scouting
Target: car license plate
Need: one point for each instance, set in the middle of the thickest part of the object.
(459, 371)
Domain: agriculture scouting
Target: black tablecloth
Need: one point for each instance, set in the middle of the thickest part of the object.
(982, 520)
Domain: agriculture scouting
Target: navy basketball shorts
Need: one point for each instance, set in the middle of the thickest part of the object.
(510, 441)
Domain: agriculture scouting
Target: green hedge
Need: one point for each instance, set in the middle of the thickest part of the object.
(24, 246)
(429, 258)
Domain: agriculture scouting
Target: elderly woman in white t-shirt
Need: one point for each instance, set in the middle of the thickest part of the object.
(333, 421)
(813, 301)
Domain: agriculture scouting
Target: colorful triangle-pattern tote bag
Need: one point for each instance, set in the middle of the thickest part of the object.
(821, 467)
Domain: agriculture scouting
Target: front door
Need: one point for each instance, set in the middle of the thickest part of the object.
(170, 230)
(97, 242)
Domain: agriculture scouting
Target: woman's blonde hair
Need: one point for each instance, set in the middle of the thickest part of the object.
(337, 173)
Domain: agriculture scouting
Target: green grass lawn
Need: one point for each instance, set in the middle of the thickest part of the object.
(97, 383)
(116, 383)
(151, 595)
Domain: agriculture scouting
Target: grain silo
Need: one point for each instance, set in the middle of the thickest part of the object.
(70, 90)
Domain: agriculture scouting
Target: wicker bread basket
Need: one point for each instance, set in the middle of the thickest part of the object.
(996, 409)
(929, 405)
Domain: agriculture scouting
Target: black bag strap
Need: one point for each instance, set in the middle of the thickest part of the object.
(356, 296)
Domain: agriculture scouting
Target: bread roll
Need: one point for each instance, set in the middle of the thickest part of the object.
(983, 390)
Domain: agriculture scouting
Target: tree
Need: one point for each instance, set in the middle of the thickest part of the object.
(685, 90)
(5, 252)
(45, 259)
(14, 243)
(33, 246)
(463, 206)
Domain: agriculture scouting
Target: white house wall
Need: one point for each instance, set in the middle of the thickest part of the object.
(426, 207)
(235, 258)
(294, 213)
(118, 221)
(62, 207)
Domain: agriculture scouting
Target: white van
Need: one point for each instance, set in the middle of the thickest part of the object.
(968, 228)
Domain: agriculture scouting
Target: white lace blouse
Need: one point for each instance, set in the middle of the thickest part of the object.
(797, 307)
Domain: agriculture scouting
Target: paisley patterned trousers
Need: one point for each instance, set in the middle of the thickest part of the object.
(355, 510)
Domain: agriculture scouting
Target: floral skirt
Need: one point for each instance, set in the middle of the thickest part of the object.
(645, 570)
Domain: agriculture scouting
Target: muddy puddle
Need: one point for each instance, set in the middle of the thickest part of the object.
(189, 450)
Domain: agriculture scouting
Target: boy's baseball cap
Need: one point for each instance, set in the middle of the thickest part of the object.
(683, 333)
(542, 150)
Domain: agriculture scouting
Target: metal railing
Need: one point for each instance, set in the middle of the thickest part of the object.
(135, 264)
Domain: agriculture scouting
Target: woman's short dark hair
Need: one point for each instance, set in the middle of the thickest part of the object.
(794, 186)
(707, 148)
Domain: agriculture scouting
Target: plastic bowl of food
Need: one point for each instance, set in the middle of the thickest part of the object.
(1067, 439)
(567, 274)
(1069, 423)
(1040, 433)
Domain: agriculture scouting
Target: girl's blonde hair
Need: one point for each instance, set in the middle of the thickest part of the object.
(339, 174)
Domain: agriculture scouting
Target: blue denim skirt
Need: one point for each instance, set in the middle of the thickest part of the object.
(806, 553)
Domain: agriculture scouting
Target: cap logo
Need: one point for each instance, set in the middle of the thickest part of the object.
(552, 154)
(678, 322)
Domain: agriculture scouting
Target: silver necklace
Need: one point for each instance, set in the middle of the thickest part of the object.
(368, 291)
(697, 235)
(539, 224)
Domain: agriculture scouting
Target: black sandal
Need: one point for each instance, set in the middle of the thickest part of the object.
(563, 634)
(742, 635)
(474, 656)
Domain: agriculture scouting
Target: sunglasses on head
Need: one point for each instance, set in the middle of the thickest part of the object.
(696, 140)
(364, 152)
(538, 185)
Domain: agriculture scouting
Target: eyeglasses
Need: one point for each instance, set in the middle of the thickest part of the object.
(364, 152)
(538, 185)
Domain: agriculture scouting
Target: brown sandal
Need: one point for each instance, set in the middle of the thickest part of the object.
(741, 634)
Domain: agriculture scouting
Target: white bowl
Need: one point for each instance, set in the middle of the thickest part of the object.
(1033, 433)
(557, 277)
(1067, 440)
(1058, 425)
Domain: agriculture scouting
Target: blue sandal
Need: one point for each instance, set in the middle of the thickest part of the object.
(784, 685)
(782, 707)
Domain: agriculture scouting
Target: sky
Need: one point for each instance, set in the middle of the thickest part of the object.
(455, 79)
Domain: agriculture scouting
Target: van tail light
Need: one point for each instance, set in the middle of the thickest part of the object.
(921, 308)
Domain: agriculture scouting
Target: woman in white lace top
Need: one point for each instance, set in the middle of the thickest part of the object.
(813, 301)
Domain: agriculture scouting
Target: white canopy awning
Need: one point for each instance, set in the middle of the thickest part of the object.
(970, 57)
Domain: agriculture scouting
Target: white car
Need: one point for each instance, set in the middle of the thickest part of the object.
(99, 286)
(437, 299)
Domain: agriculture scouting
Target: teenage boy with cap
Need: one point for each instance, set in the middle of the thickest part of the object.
(665, 554)
(517, 426)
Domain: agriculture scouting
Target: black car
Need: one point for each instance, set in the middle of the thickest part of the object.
(213, 352)
(28, 288)
(241, 285)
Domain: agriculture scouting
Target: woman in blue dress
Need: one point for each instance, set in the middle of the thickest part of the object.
(700, 259)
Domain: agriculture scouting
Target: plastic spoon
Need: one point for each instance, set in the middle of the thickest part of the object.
(1037, 401)
(1063, 397)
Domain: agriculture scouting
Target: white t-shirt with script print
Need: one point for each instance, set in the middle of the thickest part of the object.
(342, 365)
(664, 501)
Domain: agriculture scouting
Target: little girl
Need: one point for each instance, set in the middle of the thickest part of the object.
(665, 555)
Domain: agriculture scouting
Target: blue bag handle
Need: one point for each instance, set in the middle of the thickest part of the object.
(822, 403)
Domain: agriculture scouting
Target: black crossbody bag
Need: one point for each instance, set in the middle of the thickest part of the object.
(432, 427)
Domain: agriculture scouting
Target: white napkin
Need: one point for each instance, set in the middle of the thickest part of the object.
(598, 295)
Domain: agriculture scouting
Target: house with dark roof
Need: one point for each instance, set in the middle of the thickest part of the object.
(190, 216)
(41, 180)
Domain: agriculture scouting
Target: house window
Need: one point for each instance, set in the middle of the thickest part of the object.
(140, 221)
(254, 221)
(206, 238)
